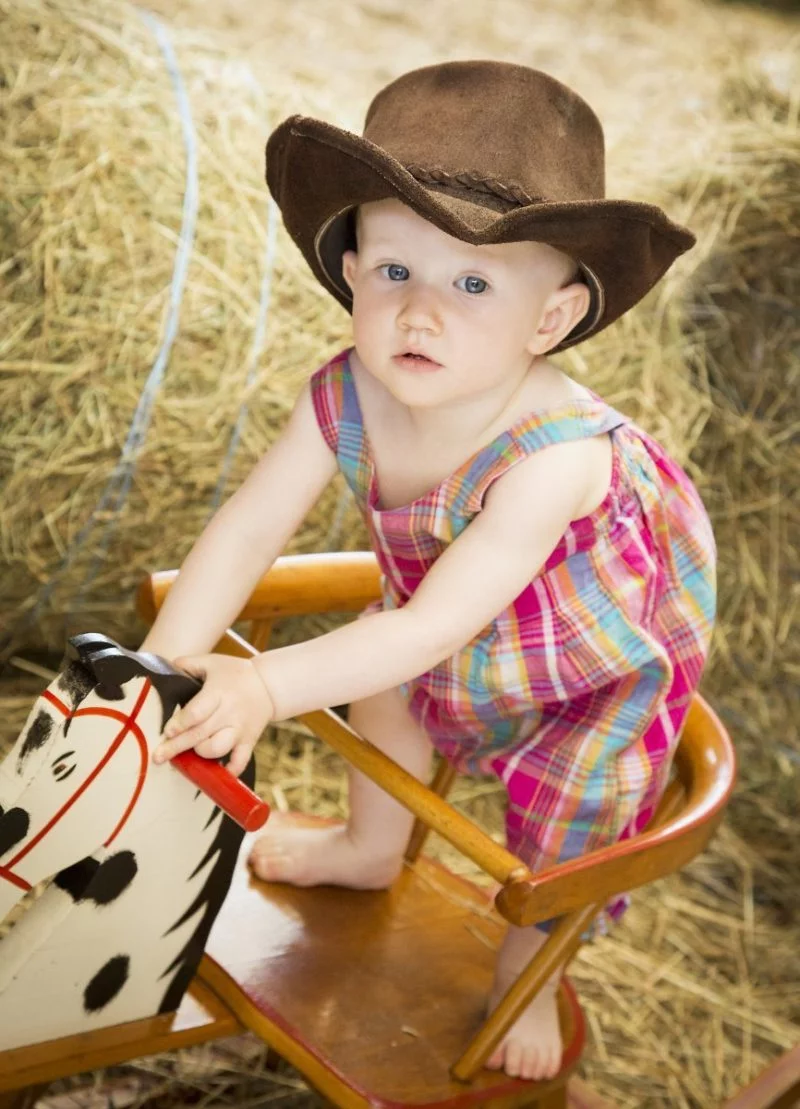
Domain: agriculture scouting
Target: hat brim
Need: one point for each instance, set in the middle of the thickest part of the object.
(317, 173)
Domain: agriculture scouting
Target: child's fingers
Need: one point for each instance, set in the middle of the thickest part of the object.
(200, 709)
(217, 744)
(240, 757)
(186, 738)
(169, 748)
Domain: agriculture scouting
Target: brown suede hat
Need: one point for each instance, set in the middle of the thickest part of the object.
(489, 152)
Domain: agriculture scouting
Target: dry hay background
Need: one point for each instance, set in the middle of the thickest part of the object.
(700, 987)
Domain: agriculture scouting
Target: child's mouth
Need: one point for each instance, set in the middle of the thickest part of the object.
(417, 363)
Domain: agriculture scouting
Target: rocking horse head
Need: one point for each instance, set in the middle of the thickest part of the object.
(73, 779)
(140, 858)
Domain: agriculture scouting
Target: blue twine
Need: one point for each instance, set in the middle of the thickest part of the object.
(255, 351)
(122, 474)
(119, 482)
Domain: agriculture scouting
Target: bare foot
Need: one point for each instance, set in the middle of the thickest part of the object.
(532, 1047)
(319, 856)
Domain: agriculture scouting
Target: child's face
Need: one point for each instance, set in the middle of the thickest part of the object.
(436, 319)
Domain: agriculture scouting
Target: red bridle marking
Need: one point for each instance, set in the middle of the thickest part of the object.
(130, 727)
(13, 879)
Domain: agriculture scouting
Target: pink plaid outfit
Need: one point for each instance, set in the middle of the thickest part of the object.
(574, 696)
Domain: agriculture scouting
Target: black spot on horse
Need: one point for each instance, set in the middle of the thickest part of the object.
(113, 877)
(38, 734)
(74, 879)
(106, 984)
(102, 882)
(14, 826)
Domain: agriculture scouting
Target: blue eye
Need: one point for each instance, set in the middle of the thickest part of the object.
(395, 272)
(472, 284)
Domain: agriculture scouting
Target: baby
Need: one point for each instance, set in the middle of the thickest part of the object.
(548, 571)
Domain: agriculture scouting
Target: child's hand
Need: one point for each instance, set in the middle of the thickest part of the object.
(228, 714)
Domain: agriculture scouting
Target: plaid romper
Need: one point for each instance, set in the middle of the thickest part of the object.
(574, 696)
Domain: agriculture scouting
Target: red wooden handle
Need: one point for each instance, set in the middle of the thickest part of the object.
(232, 796)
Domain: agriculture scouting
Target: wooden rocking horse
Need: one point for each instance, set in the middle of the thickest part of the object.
(140, 861)
(378, 998)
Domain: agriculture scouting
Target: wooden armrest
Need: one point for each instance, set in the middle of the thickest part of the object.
(418, 798)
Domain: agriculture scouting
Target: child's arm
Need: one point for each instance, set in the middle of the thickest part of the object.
(244, 538)
(480, 574)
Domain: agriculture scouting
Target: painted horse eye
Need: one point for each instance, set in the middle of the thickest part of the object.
(63, 766)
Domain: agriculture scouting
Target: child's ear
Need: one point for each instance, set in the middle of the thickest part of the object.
(349, 261)
(563, 311)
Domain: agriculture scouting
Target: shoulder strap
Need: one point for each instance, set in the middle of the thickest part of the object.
(327, 386)
(578, 419)
(338, 413)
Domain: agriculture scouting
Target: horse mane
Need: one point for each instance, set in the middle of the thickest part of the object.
(107, 666)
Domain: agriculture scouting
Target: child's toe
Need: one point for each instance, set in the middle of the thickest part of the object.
(268, 861)
(553, 1063)
(514, 1058)
(531, 1063)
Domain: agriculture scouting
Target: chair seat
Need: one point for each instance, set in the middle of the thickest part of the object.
(371, 995)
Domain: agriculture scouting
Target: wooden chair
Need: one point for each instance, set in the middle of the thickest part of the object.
(378, 998)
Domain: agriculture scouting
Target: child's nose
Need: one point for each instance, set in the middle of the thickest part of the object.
(420, 311)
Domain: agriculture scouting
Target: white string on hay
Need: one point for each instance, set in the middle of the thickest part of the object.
(112, 500)
(259, 336)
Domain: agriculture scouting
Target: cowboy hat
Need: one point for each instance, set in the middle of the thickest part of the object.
(489, 152)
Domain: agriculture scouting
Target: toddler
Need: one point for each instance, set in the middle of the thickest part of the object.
(548, 571)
